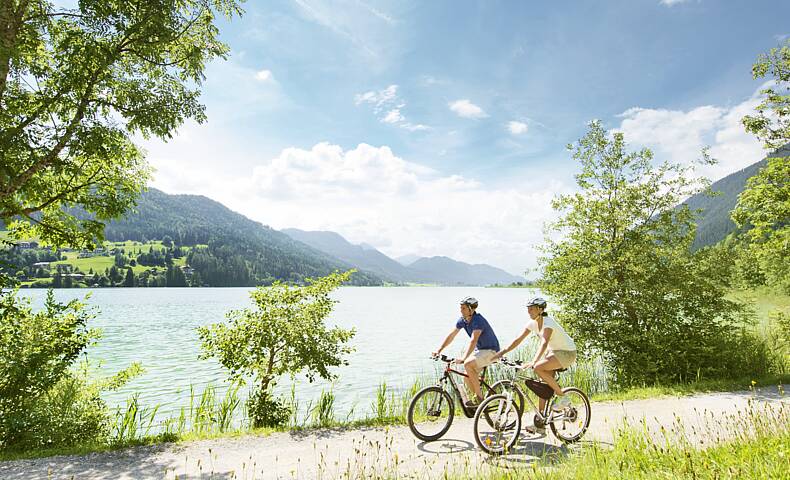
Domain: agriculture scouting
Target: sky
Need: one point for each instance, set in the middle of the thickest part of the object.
(440, 127)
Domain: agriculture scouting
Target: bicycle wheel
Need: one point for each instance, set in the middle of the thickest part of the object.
(502, 433)
(570, 423)
(501, 387)
(431, 413)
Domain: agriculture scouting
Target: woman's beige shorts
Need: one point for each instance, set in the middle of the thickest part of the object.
(565, 357)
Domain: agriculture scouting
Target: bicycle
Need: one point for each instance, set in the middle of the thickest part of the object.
(503, 415)
(432, 409)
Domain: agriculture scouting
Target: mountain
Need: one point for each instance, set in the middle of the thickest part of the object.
(407, 260)
(714, 222)
(234, 250)
(447, 271)
(440, 270)
(364, 257)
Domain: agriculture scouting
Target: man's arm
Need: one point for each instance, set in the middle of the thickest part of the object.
(475, 335)
(513, 344)
(447, 341)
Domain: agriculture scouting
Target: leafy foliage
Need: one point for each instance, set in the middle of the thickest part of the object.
(765, 204)
(36, 350)
(284, 334)
(75, 86)
(623, 272)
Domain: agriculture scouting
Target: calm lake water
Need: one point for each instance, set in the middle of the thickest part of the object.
(397, 329)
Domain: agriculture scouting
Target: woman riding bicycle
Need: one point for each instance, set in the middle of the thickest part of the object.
(557, 346)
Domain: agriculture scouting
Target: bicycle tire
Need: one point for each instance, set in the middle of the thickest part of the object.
(444, 398)
(492, 442)
(582, 406)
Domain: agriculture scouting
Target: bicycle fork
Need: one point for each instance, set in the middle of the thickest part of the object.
(503, 410)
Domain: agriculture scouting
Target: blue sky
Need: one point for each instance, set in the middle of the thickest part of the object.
(439, 127)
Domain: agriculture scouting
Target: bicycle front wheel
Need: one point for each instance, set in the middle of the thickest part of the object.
(497, 424)
(503, 386)
(431, 413)
(570, 422)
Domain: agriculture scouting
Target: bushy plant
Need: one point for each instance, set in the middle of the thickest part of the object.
(285, 333)
(36, 350)
(623, 272)
(45, 400)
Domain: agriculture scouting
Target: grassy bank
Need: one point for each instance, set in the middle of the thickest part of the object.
(758, 446)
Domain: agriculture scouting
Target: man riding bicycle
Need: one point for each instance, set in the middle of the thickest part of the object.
(483, 342)
(555, 343)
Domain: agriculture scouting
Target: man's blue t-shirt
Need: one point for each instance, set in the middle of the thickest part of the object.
(487, 339)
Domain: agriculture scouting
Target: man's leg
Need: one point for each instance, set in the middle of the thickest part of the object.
(473, 378)
(545, 370)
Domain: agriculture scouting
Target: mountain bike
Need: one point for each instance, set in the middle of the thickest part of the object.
(502, 413)
(432, 409)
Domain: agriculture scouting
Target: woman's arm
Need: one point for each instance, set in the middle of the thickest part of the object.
(544, 344)
(515, 343)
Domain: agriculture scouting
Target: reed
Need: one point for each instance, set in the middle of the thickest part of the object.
(323, 414)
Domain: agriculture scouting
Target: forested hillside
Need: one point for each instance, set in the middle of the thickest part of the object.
(231, 250)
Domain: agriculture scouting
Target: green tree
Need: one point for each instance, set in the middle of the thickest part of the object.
(75, 86)
(284, 334)
(129, 280)
(764, 206)
(622, 270)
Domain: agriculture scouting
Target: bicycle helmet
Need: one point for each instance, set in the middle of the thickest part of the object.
(470, 301)
(538, 302)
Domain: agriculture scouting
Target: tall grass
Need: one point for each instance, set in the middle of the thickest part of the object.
(323, 412)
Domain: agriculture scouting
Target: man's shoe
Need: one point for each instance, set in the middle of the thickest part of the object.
(472, 404)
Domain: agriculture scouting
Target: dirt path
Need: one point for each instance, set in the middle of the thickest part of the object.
(367, 453)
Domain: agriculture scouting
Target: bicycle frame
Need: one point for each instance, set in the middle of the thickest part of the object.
(448, 377)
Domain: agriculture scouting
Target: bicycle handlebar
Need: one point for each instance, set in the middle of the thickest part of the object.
(504, 360)
(511, 363)
(443, 358)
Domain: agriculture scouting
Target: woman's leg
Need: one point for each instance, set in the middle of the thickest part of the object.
(545, 370)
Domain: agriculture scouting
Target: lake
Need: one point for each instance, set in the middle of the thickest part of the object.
(397, 329)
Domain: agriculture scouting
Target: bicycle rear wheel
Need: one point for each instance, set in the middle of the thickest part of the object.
(570, 423)
(431, 413)
(497, 424)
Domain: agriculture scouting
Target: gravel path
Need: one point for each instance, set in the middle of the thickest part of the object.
(369, 452)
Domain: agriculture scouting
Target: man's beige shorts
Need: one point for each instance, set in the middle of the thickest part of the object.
(484, 357)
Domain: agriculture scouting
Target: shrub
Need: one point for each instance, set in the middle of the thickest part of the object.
(266, 410)
(285, 333)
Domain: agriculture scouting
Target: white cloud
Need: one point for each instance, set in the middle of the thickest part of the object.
(466, 109)
(670, 3)
(379, 99)
(679, 136)
(415, 128)
(368, 194)
(393, 116)
(264, 75)
(387, 106)
(517, 128)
